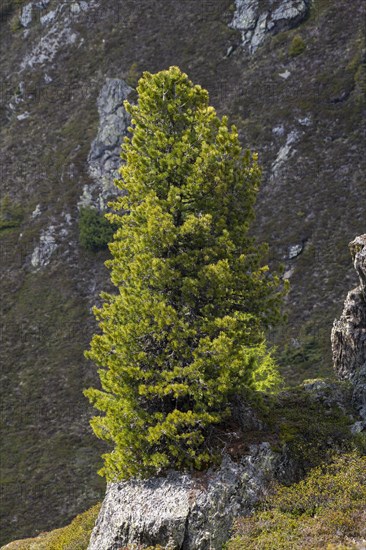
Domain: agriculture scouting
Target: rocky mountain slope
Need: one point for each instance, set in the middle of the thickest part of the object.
(291, 74)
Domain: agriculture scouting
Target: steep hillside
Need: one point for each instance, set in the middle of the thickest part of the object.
(298, 97)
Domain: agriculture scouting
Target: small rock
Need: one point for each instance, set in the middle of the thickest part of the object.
(285, 75)
(86, 198)
(288, 273)
(290, 13)
(41, 256)
(25, 17)
(84, 6)
(48, 18)
(21, 88)
(284, 153)
(278, 130)
(358, 427)
(36, 212)
(295, 250)
(23, 116)
(304, 121)
(42, 4)
(75, 8)
(68, 219)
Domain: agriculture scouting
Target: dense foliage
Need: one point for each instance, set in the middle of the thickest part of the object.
(95, 232)
(184, 334)
(326, 510)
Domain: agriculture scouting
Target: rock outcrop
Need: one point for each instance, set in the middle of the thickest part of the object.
(104, 156)
(56, 29)
(185, 512)
(349, 333)
(255, 20)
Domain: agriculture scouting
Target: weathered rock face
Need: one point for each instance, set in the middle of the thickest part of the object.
(185, 512)
(255, 20)
(349, 332)
(104, 156)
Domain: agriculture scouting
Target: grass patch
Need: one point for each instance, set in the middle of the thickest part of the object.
(313, 423)
(72, 537)
(326, 510)
(305, 355)
(11, 214)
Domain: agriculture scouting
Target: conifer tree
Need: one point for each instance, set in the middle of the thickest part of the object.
(184, 334)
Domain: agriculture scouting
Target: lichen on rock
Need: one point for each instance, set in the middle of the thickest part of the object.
(185, 511)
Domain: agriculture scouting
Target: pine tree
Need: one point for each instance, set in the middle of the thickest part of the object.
(184, 333)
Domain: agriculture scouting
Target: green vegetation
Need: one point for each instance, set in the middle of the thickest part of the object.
(300, 357)
(297, 46)
(15, 24)
(185, 333)
(133, 75)
(311, 424)
(28, 482)
(69, 121)
(325, 510)
(11, 214)
(95, 232)
(72, 537)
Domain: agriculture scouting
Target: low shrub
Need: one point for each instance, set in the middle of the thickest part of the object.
(11, 214)
(325, 510)
(95, 231)
(297, 46)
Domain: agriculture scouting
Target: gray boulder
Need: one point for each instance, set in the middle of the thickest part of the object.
(255, 20)
(349, 333)
(181, 511)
